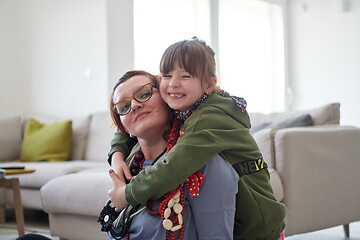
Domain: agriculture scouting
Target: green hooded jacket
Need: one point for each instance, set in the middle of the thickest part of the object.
(217, 126)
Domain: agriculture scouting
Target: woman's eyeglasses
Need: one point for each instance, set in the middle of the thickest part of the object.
(143, 94)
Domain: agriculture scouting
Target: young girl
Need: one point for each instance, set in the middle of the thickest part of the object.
(212, 123)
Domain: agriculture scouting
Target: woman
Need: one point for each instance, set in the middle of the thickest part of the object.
(206, 212)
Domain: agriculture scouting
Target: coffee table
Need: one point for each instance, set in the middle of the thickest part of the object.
(13, 182)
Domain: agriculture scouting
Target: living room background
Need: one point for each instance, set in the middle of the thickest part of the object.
(63, 57)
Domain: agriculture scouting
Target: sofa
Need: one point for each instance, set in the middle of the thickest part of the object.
(313, 163)
(90, 144)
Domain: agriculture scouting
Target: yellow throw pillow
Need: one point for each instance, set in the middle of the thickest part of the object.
(46, 142)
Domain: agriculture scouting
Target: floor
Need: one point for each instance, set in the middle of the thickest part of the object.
(335, 233)
(37, 222)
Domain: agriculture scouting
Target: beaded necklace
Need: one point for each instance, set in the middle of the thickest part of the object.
(171, 209)
(137, 164)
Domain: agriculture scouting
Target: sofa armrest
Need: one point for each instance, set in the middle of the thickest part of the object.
(319, 168)
(264, 139)
(276, 184)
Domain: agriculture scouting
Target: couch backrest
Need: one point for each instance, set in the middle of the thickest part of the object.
(100, 134)
(10, 138)
(325, 115)
(91, 135)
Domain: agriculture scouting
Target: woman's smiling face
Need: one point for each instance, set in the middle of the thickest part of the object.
(147, 119)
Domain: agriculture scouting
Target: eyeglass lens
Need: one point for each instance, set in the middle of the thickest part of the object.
(143, 94)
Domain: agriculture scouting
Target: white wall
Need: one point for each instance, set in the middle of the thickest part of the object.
(120, 40)
(46, 46)
(325, 55)
(55, 56)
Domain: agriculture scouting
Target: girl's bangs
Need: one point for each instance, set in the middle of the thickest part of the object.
(187, 58)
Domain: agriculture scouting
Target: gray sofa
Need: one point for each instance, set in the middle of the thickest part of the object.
(91, 141)
(313, 170)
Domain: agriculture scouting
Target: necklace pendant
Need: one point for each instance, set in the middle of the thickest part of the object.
(167, 224)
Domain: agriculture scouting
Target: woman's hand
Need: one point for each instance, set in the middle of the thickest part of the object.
(120, 167)
(117, 192)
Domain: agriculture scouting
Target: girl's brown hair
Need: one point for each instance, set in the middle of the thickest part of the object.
(193, 55)
(114, 115)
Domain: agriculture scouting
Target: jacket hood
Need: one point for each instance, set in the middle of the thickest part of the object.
(229, 107)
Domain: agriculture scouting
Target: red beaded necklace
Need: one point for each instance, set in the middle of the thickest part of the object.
(171, 208)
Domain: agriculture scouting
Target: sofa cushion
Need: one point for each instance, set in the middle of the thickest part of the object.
(10, 138)
(324, 115)
(80, 126)
(298, 121)
(100, 134)
(78, 198)
(46, 142)
(46, 171)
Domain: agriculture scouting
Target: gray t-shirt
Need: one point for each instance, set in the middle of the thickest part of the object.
(209, 216)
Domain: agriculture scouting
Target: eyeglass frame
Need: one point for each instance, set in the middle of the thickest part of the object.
(152, 85)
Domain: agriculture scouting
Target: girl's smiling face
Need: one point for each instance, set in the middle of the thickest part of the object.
(180, 90)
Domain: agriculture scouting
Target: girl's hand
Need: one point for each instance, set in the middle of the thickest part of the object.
(120, 167)
(117, 192)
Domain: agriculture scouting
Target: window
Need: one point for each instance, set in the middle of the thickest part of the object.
(247, 36)
(159, 23)
(251, 52)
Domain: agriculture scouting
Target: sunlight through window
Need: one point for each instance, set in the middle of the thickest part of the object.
(249, 43)
(251, 53)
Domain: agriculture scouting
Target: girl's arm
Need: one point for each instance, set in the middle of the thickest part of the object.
(208, 132)
(120, 167)
(121, 145)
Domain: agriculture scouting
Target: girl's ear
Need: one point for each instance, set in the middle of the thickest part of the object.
(211, 85)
